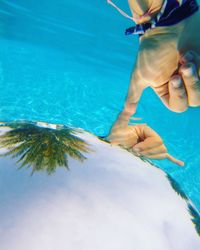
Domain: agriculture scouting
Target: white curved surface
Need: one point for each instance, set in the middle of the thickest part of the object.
(113, 201)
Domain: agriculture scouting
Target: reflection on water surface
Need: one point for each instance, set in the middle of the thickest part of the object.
(45, 147)
(42, 146)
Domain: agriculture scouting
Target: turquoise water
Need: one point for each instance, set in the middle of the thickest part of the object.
(69, 62)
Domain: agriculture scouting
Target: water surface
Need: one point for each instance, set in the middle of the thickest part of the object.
(69, 62)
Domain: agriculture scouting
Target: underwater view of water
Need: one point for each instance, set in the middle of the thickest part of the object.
(69, 62)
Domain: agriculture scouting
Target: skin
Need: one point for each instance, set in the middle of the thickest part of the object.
(144, 141)
(168, 44)
(164, 64)
(144, 10)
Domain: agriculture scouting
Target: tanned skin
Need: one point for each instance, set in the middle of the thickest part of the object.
(160, 56)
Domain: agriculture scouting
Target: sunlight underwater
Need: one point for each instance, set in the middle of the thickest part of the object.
(59, 68)
(112, 200)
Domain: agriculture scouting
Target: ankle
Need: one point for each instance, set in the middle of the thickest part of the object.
(144, 10)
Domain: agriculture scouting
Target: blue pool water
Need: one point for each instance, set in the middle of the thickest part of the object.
(69, 62)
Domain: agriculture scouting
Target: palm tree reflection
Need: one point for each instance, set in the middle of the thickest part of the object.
(42, 146)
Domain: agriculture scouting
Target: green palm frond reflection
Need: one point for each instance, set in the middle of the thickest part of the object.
(42, 148)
